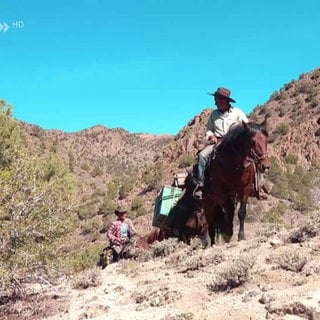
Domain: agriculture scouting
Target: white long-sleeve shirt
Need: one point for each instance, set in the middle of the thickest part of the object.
(219, 123)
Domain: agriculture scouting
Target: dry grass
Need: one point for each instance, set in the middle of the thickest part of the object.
(155, 297)
(166, 247)
(234, 274)
(291, 259)
(33, 307)
(86, 279)
(181, 316)
(295, 308)
(307, 230)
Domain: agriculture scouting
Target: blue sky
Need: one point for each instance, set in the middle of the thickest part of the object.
(146, 65)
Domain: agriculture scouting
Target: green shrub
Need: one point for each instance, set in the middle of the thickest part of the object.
(126, 188)
(275, 96)
(280, 189)
(275, 173)
(314, 102)
(186, 160)
(72, 161)
(281, 129)
(291, 158)
(141, 212)
(113, 189)
(157, 297)
(92, 228)
(131, 214)
(107, 206)
(281, 111)
(275, 214)
(36, 203)
(136, 203)
(272, 137)
(294, 182)
(302, 201)
(88, 211)
(153, 176)
(84, 258)
(96, 172)
(98, 193)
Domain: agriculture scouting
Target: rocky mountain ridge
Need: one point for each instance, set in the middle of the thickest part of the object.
(98, 155)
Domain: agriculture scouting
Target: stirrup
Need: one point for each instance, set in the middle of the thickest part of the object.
(197, 192)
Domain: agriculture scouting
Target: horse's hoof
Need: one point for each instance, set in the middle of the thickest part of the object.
(241, 237)
(226, 238)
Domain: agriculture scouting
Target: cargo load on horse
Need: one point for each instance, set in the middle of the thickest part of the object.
(177, 213)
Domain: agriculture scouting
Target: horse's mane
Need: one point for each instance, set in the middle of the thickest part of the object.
(242, 131)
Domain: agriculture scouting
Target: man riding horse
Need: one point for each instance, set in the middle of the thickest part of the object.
(220, 120)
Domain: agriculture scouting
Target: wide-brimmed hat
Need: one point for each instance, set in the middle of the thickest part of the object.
(120, 210)
(224, 92)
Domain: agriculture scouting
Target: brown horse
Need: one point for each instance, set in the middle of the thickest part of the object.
(230, 177)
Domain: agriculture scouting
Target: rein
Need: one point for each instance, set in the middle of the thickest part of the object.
(256, 157)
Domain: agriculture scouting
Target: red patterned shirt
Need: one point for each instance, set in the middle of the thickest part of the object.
(116, 229)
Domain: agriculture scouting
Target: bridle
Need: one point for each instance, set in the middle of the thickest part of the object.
(257, 158)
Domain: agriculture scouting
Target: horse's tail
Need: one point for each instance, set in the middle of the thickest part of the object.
(143, 243)
(219, 221)
(156, 234)
(153, 236)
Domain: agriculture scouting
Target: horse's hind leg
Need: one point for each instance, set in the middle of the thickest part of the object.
(227, 220)
(205, 238)
(212, 233)
(183, 237)
(242, 213)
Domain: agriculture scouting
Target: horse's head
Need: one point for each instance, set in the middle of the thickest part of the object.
(259, 147)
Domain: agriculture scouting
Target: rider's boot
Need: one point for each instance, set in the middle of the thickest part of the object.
(198, 190)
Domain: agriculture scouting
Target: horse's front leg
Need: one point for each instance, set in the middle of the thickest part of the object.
(228, 214)
(205, 238)
(242, 213)
(208, 213)
(183, 237)
(212, 234)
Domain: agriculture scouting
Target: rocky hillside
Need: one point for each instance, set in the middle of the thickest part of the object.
(273, 275)
(293, 118)
(99, 155)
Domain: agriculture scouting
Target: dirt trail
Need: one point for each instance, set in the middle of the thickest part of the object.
(179, 286)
